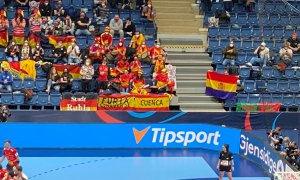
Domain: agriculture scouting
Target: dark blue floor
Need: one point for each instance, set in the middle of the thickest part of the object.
(131, 165)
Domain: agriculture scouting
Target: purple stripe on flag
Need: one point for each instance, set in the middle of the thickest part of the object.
(219, 94)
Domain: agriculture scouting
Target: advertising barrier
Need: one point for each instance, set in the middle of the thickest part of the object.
(120, 136)
(79, 102)
(263, 154)
(258, 107)
(134, 102)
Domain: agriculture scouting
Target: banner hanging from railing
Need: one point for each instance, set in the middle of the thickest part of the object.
(79, 102)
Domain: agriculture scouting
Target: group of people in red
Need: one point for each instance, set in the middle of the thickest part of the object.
(13, 170)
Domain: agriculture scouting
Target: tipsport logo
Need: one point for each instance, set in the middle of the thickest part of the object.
(166, 137)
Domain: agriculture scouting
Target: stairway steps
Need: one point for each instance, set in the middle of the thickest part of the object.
(193, 69)
(183, 62)
(197, 98)
(190, 76)
(178, 16)
(185, 56)
(170, 22)
(190, 83)
(185, 90)
(184, 9)
(173, 4)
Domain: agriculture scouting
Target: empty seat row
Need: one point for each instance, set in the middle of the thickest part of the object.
(271, 86)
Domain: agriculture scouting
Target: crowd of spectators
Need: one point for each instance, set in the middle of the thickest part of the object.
(117, 67)
(287, 148)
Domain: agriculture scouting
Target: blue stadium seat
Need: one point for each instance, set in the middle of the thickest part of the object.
(224, 31)
(230, 103)
(252, 19)
(276, 74)
(278, 32)
(76, 85)
(66, 3)
(217, 58)
(17, 84)
(276, 98)
(81, 42)
(18, 99)
(260, 85)
(124, 15)
(267, 31)
(273, 19)
(289, 73)
(55, 99)
(10, 14)
(242, 98)
(295, 20)
(249, 86)
(235, 32)
(216, 5)
(295, 59)
(283, 86)
(244, 72)
(225, 42)
(272, 86)
(40, 72)
(88, 3)
(294, 86)
(146, 71)
(280, 7)
(40, 84)
(288, 32)
(6, 98)
(267, 72)
(242, 19)
(241, 58)
(270, 7)
(287, 101)
(213, 45)
(256, 32)
(297, 101)
(237, 44)
(220, 69)
(284, 20)
(213, 32)
(135, 16)
(263, 19)
(266, 98)
(254, 98)
(246, 32)
(28, 83)
(247, 45)
(43, 99)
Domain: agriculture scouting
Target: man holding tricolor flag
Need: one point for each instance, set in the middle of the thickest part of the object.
(4, 24)
(221, 86)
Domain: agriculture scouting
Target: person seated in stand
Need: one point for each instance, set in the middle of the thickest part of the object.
(45, 26)
(116, 26)
(45, 8)
(263, 54)
(105, 39)
(143, 53)
(69, 26)
(120, 49)
(135, 66)
(124, 82)
(137, 40)
(66, 80)
(230, 54)
(126, 4)
(129, 28)
(101, 13)
(73, 52)
(149, 11)
(82, 25)
(162, 80)
(12, 52)
(4, 25)
(58, 27)
(53, 81)
(59, 9)
(122, 65)
(294, 43)
(138, 84)
(25, 51)
(156, 50)
(6, 80)
(159, 64)
(19, 24)
(285, 57)
(38, 53)
(103, 71)
(96, 52)
(60, 53)
(21, 3)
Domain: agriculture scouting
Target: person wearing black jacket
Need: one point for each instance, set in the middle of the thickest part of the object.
(129, 28)
(45, 8)
(60, 53)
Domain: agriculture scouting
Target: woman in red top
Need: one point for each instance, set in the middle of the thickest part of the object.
(11, 155)
(122, 65)
(138, 84)
(135, 66)
(103, 70)
(19, 24)
(124, 82)
(162, 81)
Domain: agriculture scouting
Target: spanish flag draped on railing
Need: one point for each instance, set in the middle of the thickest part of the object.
(65, 40)
(3, 29)
(220, 85)
(22, 69)
(73, 70)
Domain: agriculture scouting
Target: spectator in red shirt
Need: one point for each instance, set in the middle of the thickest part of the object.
(103, 71)
(162, 81)
(124, 82)
(96, 52)
(3, 172)
(105, 39)
(11, 155)
(122, 65)
(135, 65)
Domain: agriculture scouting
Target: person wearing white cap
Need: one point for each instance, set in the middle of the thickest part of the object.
(263, 55)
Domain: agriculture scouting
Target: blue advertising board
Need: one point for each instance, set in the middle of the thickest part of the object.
(24, 135)
(262, 153)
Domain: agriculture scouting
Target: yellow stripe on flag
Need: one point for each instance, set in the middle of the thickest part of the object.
(217, 85)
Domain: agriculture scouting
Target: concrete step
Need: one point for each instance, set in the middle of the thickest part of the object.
(191, 69)
(184, 62)
(198, 90)
(172, 4)
(201, 110)
(190, 83)
(178, 16)
(190, 77)
(178, 30)
(192, 98)
(201, 105)
(171, 22)
(194, 56)
(184, 9)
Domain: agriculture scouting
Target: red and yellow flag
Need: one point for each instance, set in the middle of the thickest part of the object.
(22, 69)
(33, 40)
(74, 70)
(4, 38)
(65, 40)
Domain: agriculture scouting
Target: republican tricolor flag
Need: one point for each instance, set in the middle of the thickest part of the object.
(220, 85)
